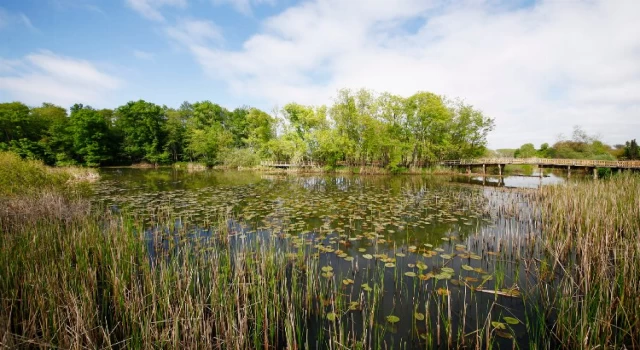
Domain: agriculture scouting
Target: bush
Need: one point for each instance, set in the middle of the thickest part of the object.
(241, 157)
(19, 177)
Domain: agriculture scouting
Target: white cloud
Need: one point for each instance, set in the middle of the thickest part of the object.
(243, 6)
(143, 55)
(537, 70)
(151, 8)
(46, 77)
(8, 19)
(193, 32)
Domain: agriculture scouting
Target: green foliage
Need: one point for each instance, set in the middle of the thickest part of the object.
(580, 146)
(241, 157)
(208, 144)
(143, 129)
(361, 128)
(20, 177)
(528, 150)
(89, 133)
(631, 150)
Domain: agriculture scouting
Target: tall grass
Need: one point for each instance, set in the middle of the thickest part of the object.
(592, 231)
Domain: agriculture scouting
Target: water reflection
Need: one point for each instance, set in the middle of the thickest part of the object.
(427, 243)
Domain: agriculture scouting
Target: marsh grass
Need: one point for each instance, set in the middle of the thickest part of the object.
(75, 275)
(592, 232)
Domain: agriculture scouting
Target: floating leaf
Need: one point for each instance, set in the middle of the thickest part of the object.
(446, 256)
(421, 266)
(392, 319)
(347, 281)
(354, 305)
(443, 276)
(475, 257)
(400, 254)
(390, 265)
(504, 334)
(498, 325)
(426, 277)
(410, 274)
(419, 316)
(447, 269)
(467, 268)
(368, 256)
(327, 274)
(331, 316)
(511, 320)
(349, 258)
(442, 291)
(362, 250)
(327, 268)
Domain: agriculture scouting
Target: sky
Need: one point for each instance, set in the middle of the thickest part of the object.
(537, 67)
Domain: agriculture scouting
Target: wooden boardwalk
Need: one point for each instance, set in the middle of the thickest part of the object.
(568, 164)
(587, 165)
(285, 165)
(546, 162)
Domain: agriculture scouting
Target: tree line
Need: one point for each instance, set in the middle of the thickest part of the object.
(360, 127)
(580, 145)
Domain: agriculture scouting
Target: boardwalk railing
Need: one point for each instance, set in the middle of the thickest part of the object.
(274, 164)
(633, 164)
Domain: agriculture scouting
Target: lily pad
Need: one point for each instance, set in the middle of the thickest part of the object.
(419, 316)
(410, 274)
(511, 320)
(504, 334)
(498, 325)
(367, 256)
(393, 319)
(331, 316)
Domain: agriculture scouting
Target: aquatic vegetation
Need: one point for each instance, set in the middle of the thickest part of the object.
(315, 262)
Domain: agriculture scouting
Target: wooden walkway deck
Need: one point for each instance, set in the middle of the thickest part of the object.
(284, 165)
(546, 162)
(568, 164)
(587, 165)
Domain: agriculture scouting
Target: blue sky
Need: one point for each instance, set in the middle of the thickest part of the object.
(537, 67)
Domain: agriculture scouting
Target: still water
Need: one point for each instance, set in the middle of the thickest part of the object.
(448, 255)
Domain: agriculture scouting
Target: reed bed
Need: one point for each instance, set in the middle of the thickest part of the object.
(591, 231)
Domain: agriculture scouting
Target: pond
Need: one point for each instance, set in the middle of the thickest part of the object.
(400, 261)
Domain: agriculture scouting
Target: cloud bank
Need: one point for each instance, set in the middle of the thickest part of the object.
(538, 70)
(47, 77)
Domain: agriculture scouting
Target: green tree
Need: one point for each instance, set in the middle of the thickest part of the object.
(174, 130)
(208, 144)
(259, 130)
(631, 150)
(528, 150)
(89, 132)
(143, 131)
